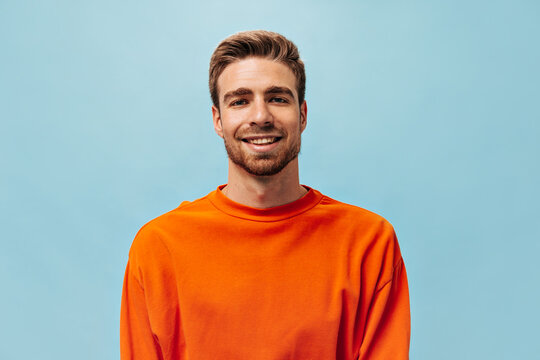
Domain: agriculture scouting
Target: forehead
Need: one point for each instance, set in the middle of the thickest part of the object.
(256, 74)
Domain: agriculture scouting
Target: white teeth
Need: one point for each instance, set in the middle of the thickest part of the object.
(262, 141)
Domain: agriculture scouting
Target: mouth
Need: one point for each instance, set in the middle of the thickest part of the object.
(262, 140)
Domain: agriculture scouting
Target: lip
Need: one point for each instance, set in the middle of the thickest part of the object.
(261, 147)
(253, 137)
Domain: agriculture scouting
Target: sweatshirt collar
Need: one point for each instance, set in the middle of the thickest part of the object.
(282, 212)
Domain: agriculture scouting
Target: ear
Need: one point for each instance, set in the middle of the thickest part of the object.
(303, 115)
(216, 118)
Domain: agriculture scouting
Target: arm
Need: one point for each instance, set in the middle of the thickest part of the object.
(387, 331)
(137, 340)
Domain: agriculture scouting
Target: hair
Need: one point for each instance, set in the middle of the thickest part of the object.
(257, 43)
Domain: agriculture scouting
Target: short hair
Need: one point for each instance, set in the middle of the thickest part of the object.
(257, 43)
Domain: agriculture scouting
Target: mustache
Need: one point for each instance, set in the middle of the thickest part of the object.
(256, 130)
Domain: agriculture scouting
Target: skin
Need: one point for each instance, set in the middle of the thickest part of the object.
(258, 99)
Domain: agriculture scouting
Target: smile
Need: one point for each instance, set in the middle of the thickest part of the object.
(262, 141)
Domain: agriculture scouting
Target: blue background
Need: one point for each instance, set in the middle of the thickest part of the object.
(426, 112)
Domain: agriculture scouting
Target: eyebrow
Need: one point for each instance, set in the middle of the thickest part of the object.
(237, 92)
(270, 90)
(279, 90)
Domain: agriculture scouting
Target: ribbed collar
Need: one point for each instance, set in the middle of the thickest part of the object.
(223, 203)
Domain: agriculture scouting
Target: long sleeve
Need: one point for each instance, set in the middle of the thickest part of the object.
(312, 279)
(136, 338)
(387, 332)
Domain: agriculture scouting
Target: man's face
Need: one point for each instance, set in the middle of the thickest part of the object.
(259, 118)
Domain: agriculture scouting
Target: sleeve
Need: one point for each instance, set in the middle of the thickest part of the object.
(137, 341)
(387, 331)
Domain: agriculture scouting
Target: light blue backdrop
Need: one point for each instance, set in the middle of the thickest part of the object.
(426, 112)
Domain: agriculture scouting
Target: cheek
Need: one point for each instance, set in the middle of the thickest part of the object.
(231, 123)
(229, 129)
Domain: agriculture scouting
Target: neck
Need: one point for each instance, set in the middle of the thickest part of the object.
(264, 191)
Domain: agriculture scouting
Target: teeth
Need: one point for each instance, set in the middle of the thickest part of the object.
(262, 141)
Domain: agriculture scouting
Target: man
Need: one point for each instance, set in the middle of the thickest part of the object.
(263, 267)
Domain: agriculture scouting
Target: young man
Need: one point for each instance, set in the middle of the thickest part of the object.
(263, 267)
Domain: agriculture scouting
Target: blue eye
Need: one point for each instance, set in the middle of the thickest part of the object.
(239, 102)
(278, 100)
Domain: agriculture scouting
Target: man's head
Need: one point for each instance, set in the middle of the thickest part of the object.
(258, 94)
(259, 43)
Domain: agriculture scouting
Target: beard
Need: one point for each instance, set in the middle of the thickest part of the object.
(262, 164)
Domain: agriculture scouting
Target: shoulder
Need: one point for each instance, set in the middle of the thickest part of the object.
(353, 214)
(153, 234)
(376, 235)
(370, 231)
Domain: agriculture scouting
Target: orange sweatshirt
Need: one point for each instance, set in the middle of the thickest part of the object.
(313, 279)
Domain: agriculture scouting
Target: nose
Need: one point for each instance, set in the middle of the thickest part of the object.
(261, 113)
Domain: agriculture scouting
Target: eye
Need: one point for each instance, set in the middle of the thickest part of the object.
(279, 100)
(239, 102)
